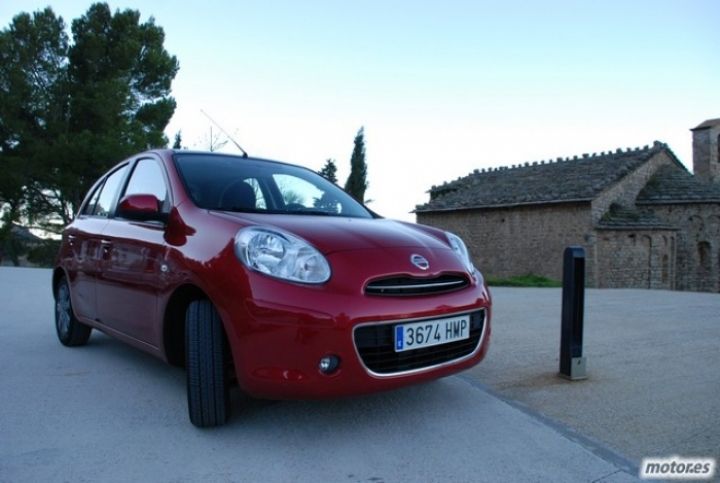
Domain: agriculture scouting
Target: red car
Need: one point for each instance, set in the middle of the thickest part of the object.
(265, 275)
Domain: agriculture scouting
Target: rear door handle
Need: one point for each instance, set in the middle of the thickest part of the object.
(106, 246)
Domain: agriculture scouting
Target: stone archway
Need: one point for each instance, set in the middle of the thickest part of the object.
(704, 265)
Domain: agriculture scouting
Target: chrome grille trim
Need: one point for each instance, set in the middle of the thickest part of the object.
(403, 286)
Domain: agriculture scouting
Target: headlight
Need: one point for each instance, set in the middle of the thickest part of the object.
(459, 247)
(280, 254)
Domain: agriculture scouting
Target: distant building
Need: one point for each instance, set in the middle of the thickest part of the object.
(24, 234)
(643, 219)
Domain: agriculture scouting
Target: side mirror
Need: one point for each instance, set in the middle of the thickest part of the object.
(141, 207)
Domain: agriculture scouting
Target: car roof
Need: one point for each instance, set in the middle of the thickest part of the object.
(172, 152)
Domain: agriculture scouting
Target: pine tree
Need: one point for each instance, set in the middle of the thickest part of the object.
(328, 202)
(177, 144)
(357, 184)
(329, 171)
(72, 108)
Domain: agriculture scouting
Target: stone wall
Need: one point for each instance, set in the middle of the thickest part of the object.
(698, 244)
(519, 240)
(625, 191)
(706, 154)
(636, 258)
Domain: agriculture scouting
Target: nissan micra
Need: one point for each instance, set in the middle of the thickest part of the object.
(266, 276)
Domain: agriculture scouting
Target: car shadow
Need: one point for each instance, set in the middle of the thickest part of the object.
(135, 373)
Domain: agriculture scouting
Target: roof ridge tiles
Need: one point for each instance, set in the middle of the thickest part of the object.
(560, 159)
(559, 179)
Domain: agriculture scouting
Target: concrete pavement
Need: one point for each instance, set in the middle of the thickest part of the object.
(653, 361)
(106, 412)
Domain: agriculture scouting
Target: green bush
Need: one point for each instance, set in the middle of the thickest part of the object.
(528, 280)
(11, 248)
(44, 253)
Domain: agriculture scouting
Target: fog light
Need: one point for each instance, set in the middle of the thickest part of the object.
(329, 364)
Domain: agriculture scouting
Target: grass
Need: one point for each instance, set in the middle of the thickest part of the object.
(528, 280)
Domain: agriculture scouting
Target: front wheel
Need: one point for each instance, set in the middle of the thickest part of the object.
(206, 354)
(70, 330)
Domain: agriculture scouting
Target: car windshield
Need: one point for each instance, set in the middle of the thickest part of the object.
(232, 183)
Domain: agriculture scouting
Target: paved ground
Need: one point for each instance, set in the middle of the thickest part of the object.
(653, 366)
(106, 412)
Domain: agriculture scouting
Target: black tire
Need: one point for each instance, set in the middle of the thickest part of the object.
(206, 356)
(70, 330)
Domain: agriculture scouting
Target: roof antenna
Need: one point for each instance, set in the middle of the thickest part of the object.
(244, 153)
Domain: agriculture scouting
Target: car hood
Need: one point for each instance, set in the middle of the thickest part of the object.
(333, 234)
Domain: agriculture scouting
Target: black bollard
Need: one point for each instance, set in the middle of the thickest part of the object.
(572, 362)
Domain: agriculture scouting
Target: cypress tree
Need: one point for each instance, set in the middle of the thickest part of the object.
(357, 184)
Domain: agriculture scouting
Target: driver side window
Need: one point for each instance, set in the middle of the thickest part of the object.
(147, 178)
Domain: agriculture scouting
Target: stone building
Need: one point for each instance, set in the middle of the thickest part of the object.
(643, 219)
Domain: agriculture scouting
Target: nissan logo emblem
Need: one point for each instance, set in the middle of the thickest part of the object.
(419, 261)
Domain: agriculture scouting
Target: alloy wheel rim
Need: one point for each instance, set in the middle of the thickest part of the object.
(63, 310)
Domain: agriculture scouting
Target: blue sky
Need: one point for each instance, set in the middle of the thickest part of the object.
(442, 88)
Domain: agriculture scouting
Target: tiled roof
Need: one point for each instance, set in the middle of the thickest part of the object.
(673, 184)
(619, 218)
(707, 124)
(564, 180)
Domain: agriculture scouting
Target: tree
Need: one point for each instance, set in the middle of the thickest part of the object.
(328, 202)
(33, 50)
(69, 111)
(357, 184)
(177, 143)
(216, 141)
(329, 171)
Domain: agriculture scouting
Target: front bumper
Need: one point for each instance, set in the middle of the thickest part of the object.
(277, 347)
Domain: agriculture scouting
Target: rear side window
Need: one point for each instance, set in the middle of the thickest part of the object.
(106, 200)
(90, 207)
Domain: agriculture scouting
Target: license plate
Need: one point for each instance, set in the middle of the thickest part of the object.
(431, 332)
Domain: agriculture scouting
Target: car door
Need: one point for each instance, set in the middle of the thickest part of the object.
(84, 238)
(134, 260)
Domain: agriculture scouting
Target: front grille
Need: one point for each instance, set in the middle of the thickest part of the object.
(404, 286)
(376, 346)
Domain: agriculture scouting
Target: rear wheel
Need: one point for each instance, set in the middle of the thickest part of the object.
(206, 355)
(70, 330)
